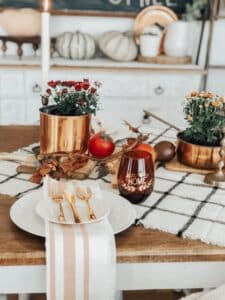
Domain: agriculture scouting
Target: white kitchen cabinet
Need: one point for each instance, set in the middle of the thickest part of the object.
(124, 93)
(11, 84)
(216, 81)
(116, 110)
(147, 84)
(12, 111)
(32, 84)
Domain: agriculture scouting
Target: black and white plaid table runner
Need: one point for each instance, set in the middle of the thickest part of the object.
(180, 203)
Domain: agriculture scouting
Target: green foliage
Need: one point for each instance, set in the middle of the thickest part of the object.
(194, 10)
(201, 112)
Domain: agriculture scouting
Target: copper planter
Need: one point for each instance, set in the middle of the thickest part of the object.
(63, 133)
(195, 156)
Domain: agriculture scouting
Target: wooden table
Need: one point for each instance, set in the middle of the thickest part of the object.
(146, 259)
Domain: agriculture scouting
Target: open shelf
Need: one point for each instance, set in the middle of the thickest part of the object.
(96, 63)
(14, 61)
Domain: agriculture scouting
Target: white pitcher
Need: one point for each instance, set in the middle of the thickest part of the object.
(176, 41)
(150, 41)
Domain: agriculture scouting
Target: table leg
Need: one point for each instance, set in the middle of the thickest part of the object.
(24, 297)
(119, 295)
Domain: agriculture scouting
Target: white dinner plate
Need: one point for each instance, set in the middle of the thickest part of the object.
(49, 210)
(23, 213)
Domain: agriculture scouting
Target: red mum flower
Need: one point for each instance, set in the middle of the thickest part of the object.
(64, 91)
(53, 84)
(85, 85)
(93, 90)
(68, 83)
(48, 91)
(78, 86)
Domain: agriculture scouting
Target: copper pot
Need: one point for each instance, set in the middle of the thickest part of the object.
(63, 133)
(195, 156)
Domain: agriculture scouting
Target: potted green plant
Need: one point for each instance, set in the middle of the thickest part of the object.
(199, 144)
(65, 125)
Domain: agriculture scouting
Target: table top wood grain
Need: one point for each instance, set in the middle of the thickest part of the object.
(134, 245)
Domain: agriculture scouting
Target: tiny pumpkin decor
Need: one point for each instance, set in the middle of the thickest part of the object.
(165, 151)
(118, 46)
(65, 125)
(199, 144)
(21, 22)
(147, 148)
(75, 45)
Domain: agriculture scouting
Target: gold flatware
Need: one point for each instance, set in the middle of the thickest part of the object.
(71, 199)
(58, 200)
(55, 192)
(85, 195)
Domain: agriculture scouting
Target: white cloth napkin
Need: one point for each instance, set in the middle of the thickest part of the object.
(81, 260)
(23, 156)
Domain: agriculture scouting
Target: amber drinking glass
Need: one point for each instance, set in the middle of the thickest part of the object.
(136, 176)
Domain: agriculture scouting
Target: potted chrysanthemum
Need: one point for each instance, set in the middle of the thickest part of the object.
(199, 144)
(65, 125)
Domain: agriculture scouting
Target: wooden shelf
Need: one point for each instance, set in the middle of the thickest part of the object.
(104, 63)
(24, 62)
(96, 64)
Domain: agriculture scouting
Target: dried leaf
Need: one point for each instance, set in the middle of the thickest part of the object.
(132, 128)
(36, 177)
(72, 163)
(48, 166)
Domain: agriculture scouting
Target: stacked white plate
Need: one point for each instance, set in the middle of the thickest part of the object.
(30, 212)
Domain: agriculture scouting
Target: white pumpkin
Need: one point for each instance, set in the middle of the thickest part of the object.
(17, 22)
(75, 45)
(118, 46)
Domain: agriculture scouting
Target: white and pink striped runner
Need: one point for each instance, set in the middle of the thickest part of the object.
(81, 261)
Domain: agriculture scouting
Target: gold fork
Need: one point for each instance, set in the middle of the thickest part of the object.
(86, 194)
(71, 199)
(58, 200)
(55, 193)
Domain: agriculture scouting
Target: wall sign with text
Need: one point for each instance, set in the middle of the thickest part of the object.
(120, 6)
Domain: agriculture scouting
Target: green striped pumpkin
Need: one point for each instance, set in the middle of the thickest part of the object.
(75, 45)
